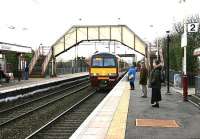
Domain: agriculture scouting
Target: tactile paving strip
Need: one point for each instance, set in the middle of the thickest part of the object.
(118, 125)
(156, 123)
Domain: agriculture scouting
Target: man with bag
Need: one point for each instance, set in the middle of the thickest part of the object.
(131, 76)
(143, 79)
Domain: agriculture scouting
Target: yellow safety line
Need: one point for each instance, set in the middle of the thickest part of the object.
(118, 125)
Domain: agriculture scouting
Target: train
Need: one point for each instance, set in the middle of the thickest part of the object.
(105, 69)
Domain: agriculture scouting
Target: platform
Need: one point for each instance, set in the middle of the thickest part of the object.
(116, 117)
(11, 89)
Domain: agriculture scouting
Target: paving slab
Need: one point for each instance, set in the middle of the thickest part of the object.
(186, 115)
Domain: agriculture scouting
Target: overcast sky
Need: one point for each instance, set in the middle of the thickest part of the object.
(31, 22)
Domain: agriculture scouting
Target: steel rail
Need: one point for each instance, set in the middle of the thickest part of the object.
(42, 106)
(56, 118)
(37, 99)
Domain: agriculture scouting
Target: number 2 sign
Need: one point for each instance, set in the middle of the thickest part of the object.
(193, 27)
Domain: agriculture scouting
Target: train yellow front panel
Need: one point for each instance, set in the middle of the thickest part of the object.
(103, 71)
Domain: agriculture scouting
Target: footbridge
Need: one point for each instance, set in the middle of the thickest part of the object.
(78, 34)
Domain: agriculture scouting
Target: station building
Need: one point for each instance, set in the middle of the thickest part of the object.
(19, 50)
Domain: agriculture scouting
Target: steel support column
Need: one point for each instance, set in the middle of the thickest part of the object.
(122, 34)
(168, 40)
(53, 70)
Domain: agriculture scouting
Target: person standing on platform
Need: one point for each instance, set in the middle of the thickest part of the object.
(4, 75)
(1, 73)
(131, 76)
(26, 70)
(155, 83)
(143, 79)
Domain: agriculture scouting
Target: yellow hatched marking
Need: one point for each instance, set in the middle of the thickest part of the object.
(118, 125)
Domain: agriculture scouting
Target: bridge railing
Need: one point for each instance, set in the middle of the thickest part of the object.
(34, 60)
(41, 51)
(44, 50)
(46, 61)
(161, 56)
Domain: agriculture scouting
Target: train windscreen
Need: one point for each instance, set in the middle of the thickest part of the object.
(97, 61)
(103, 62)
(109, 62)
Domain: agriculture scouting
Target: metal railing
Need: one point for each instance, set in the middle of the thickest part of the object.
(41, 51)
(197, 85)
(172, 73)
(46, 61)
(68, 70)
(44, 50)
(34, 60)
(178, 74)
(161, 55)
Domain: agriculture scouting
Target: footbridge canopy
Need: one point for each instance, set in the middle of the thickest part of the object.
(77, 34)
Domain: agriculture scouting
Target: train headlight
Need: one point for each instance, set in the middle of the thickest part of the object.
(93, 74)
(112, 74)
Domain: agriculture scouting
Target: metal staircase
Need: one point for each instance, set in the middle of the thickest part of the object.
(46, 62)
(161, 56)
(39, 62)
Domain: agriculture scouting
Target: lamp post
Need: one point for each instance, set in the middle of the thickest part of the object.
(76, 51)
(168, 40)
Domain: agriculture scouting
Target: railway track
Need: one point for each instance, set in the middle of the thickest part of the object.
(18, 111)
(18, 122)
(5, 106)
(66, 123)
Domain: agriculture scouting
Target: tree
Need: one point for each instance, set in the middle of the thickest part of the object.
(176, 52)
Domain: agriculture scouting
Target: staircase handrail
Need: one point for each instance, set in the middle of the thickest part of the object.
(161, 56)
(46, 61)
(33, 60)
(44, 50)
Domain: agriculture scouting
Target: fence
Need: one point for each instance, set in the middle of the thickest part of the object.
(178, 75)
(172, 73)
(68, 70)
(197, 85)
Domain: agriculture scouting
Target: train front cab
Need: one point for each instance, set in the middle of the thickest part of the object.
(103, 71)
(103, 77)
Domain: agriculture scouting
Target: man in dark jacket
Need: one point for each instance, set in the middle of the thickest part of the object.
(156, 84)
(26, 72)
(143, 79)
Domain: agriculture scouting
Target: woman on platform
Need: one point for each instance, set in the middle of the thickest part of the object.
(155, 83)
